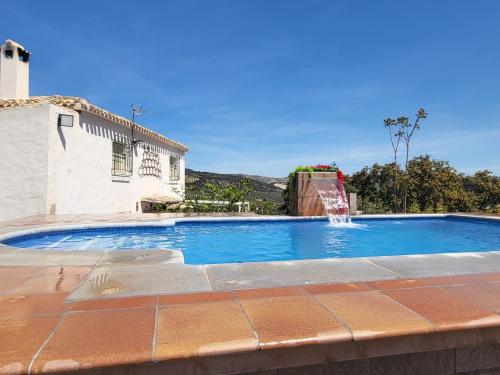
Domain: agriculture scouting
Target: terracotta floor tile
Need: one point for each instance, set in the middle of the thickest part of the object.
(270, 292)
(179, 299)
(202, 329)
(48, 284)
(66, 271)
(336, 288)
(20, 339)
(491, 277)
(18, 271)
(450, 280)
(99, 338)
(33, 304)
(445, 309)
(11, 282)
(399, 284)
(371, 314)
(114, 303)
(486, 295)
(291, 321)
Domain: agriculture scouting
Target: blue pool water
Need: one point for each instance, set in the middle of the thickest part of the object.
(227, 242)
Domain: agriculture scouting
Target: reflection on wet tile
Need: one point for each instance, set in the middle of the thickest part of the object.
(66, 271)
(48, 284)
(126, 281)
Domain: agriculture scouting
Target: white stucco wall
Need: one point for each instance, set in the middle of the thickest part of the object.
(14, 73)
(23, 161)
(46, 169)
(80, 163)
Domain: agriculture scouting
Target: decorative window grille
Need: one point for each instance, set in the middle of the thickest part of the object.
(175, 167)
(121, 162)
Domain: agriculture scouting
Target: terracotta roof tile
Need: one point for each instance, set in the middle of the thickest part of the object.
(81, 104)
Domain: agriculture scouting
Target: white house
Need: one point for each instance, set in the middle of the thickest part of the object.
(64, 155)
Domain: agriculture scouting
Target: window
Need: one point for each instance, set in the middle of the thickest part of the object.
(121, 160)
(175, 167)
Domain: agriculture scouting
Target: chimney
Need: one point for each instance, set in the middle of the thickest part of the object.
(14, 71)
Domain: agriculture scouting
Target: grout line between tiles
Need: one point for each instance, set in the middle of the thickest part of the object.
(98, 261)
(413, 312)
(24, 316)
(106, 310)
(333, 314)
(204, 268)
(400, 276)
(254, 329)
(195, 302)
(155, 329)
(45, 343)
(416, 287)
(10, 291)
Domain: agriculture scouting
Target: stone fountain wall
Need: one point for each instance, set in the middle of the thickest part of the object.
(304, 199)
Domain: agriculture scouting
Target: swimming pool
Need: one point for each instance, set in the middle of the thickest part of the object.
(260, 240)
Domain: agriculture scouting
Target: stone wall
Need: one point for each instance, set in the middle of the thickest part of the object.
(478, 360)
(304, 198)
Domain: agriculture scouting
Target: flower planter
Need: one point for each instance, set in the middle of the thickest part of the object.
(304, 199)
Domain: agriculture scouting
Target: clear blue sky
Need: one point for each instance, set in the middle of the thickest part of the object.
(262, 86)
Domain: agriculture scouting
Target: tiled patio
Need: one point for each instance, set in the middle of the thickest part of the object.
(144, 311)
(238, 331)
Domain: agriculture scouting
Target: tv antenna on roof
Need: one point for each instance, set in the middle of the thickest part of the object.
(136, 110)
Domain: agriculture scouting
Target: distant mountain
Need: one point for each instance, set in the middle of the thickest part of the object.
(270, 188)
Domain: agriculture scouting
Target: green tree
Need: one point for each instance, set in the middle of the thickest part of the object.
(404, 129)
(214, 194)
(395, 135)
(234, 193)
(265, 207)
(408, 131)
(432, 186)
(485, 188)
(435, 186)
(375, 187)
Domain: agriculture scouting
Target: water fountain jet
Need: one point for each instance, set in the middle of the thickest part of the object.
(319, 191)
(334, 199)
